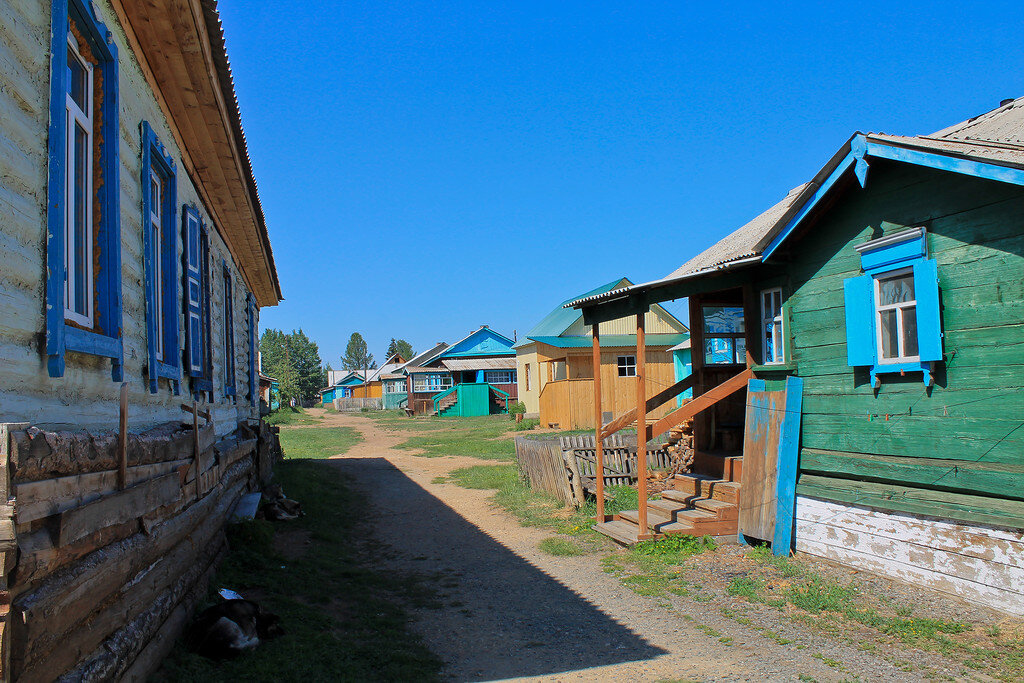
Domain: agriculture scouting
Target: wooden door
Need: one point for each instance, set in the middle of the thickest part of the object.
(770, 448)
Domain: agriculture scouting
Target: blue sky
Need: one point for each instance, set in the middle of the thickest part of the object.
(427, 167)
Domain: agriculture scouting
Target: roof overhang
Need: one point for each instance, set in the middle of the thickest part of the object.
(854, 157)
(180, 47)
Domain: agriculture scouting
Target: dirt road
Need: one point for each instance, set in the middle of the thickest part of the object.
(511, 611)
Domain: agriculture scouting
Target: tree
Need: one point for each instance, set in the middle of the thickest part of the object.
(294, 361)
(401, 347)
(357, 354)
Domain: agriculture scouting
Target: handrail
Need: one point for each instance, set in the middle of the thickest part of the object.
(437, 398)
(628, 417)
(494, 388)
(702, 402)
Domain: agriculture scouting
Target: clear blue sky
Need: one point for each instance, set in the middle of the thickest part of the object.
(427, 167)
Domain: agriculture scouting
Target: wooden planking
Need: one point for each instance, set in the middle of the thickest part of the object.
(996, 585)
(999, 479)
(763, 425)
(38, 499)
(118, 507)
(955, 506)
(540, 462)
(998, 546)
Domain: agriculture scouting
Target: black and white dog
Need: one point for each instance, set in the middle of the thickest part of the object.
(229, 628)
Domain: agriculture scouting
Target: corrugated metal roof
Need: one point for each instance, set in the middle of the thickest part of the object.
(561, 319)
(611, 340)
(504, 363)
(416, 370)
(1005, 123)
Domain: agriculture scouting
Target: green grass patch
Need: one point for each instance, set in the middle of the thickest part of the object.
(286, 415)
(653, 567)
(485, 477)
(746, 587)
(562, 547)
(319, 443)
(344, 619)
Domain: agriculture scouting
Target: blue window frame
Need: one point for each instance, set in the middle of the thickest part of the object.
(229, 333)
(160, 238)
(893, 319)
(196, 287)
(83, 247)
(250, 316)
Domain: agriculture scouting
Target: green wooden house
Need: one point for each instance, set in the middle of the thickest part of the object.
(892, 285)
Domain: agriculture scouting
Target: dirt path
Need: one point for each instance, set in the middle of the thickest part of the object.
(511, 611)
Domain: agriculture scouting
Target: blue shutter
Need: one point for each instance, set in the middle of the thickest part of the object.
(229, 335)
(929, 322)
(860, 320)
(194, 336)
(149, 265)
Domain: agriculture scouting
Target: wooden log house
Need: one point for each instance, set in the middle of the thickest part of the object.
(136, 263)
(556, 372)
(890, 288)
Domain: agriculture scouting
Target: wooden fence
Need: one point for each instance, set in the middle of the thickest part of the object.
(355, 404)
(566, 466)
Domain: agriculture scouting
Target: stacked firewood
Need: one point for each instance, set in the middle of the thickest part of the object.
(680, 447)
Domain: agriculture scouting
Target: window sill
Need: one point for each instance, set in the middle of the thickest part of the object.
(168, 371)
(83, 341)
(879, 369)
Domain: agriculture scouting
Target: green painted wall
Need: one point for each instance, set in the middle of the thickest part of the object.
(914, 446)
(395, 401)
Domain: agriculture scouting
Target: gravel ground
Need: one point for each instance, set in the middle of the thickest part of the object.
(509, 611)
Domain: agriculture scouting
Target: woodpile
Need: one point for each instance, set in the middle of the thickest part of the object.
(680, 448)
(107, 544)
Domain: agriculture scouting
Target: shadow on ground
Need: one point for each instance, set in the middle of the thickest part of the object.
(502, 616)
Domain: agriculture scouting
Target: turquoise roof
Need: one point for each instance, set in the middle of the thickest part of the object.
(612, 340)
(482, 342)
(561, 319)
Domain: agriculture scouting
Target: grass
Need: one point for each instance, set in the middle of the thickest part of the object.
(484, 437)
(287, 415)
(318, 443)
(344, 619)
(561, 547)
(654, 567)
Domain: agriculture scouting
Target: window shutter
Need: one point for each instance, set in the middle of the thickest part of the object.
(929, 324)
(149, 268)
(250, 304)
(860, 320)
(194, 336)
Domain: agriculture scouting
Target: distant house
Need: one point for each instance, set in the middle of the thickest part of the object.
(474, 376)
(345, 381)
(886, 297)
(373, 387)
(555, 362)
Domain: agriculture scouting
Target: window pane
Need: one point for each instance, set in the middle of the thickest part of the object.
(77, 80)
(718, 350)
(81, 222)
(910, 331)
(741, 350)
(887, 320)
(897, 289)
(723, 319)
(769, 344)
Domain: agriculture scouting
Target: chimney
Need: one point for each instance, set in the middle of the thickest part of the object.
(1006, 102)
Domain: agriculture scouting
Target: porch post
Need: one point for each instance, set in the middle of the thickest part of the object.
(598, 441)
(641, 425)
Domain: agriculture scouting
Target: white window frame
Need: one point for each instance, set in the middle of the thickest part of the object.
(507, 374)
(899, 308)
(432, 382)
(76, 117)
(625, 366)
(526, 369)
(156, 220)
(774, 319)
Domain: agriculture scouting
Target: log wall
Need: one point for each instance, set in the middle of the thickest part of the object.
(100, 578)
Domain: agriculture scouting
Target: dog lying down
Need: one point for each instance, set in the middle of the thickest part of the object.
(229, 628)
(278, 508)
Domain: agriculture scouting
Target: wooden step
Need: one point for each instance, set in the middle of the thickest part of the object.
(699, 486)
(719, 508)
(655, 518)
(619, 531)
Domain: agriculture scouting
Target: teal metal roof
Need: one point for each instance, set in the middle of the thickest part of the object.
(611, 340)
(481, 342)
(561, 319)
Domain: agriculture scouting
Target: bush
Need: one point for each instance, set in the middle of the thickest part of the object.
(516, 408)
(526, 425)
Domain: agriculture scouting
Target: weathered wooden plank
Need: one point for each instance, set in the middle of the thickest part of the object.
(1000, 546)
(118, 507)
(957, 507)
(999, 479)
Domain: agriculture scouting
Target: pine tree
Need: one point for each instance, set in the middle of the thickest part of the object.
(357, 354)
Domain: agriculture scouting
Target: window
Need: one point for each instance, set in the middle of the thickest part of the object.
(83, 248)
(526, 369)
(626, 366)
(500, 377)
(159, 197)
(772, 347)
(229, 334)
(557, 370)
(893, 321)
(394, 386)
(196, 287)
(724, 337)
(432, 382)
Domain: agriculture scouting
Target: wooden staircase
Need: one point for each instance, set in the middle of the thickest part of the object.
(447, 402)
(697, 505)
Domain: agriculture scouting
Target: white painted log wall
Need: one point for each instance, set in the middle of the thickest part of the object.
(978, 564)
(86, 397)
